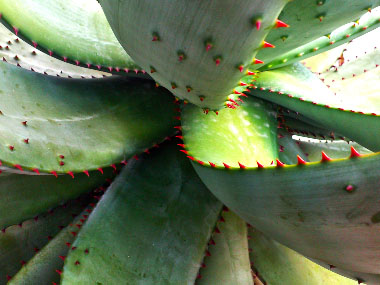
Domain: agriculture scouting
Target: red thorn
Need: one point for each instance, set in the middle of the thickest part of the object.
(212, 164)
(61, 163)
(22, 262)
(281, 24)
(300, 160)
(26, 141)
(86, 172)
(58, 271)
(199, 276)
(9, 277)
(62, 257)
(50, 52)
(241, 68)
(124, 162)
(349, 188)
(221, 219)
(258, 24)
(18, 166)
(267, 45)
(71, 174)
(217, 230)
(242, 166)
(15, 30)
(251, 73)
(325, 157)
(208, 46)
(180, 137)
(36, 170)
(113, 166)
(217, 61)
(190, 157)
(225, 209)
(100, 170)
(54, 173)
(279, 163)
(86, 250)
(257, 61)
(77, 262)
(259, 165)
(181, 145)
(184, 151)
(24, 123)
(207, 253)
(11, 147)
(226, 165)
(74, 233)
(354, 152)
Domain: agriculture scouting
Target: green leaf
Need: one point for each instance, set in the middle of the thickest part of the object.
(58, 124)
(326, 210)
(197, 49)
(20, 243)
(228, 262)
(41, 269)
(316, 27)
(72, 29)
(277, 264)
(243, 135)
(24, 195)
(151, 226)
(17, 52)
(298, 89)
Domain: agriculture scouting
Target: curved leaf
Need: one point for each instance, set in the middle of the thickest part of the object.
(58, 124)
(243, 135)
(317, 26)
(24, 196)
(17, 52)
(326, 210)
(151, 226)
(73, 30)
(228, 260)
(298, 89)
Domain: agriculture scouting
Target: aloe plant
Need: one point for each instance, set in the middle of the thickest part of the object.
(235, 142)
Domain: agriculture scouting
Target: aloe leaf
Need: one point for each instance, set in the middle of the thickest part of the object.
(298, 89)
(17, 52)
(244, 135)
(199, 50)
(74, 30)
(302, 126)
(45, 266)
(151, 226)
(19, 243)
(58, 124)
(317, 26)
(24, 195)
(289, 149)
(336, 149)
(352, 59)
(277, 264)
(228, 260)
(325, 210)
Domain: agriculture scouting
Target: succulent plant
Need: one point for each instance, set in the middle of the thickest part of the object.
(236, 142)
